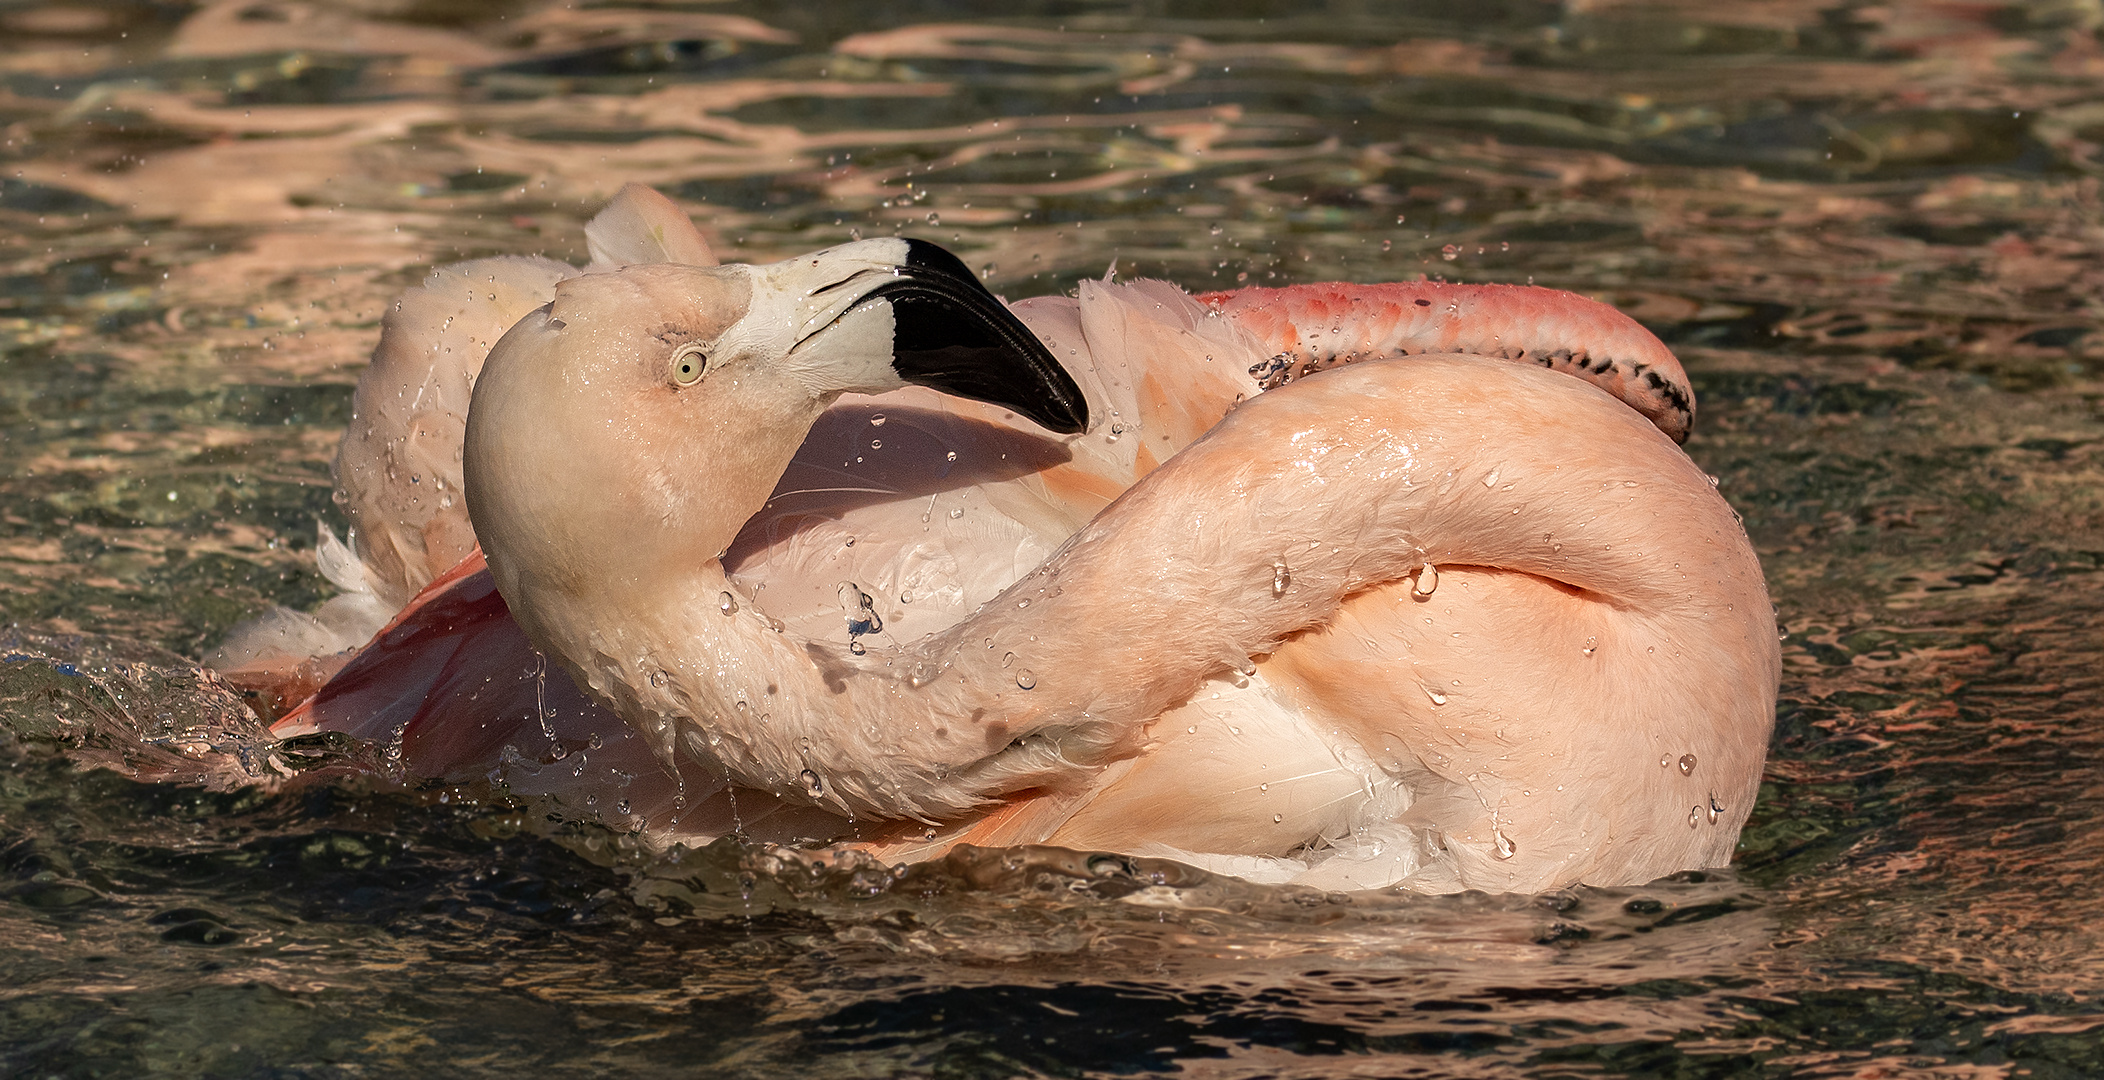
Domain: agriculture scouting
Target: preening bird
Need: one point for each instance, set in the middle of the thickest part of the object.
(1350, 585)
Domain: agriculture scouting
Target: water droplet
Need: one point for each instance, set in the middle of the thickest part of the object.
(951, 456)
(727, 603)
(813, 786)
(1263, 787)
(857, 647)
(1502, 844)
(1694, 816)
(934, 218)
(1427, 581)
(876, 444)
(1437, 697)
(1276, 818)
(1217, 229)
(1281, 576)
(1026, 678)
(1687, 764)
(622, 808)
(876, 420)
(1715, 811)
(861, 611)
(1491, 480)
(1450, 252)
(1592, 645)
(1007, 659)
(1665, 761)
(657, 678)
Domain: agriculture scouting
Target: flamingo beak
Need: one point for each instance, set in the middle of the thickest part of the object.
(945, 330)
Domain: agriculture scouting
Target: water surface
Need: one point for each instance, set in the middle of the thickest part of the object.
(1872, 233)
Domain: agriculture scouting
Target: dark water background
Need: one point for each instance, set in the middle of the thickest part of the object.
(1871, 231)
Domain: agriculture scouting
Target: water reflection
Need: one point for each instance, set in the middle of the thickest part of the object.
(1871, 232)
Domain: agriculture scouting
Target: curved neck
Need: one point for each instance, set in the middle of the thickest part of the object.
(1264, 528)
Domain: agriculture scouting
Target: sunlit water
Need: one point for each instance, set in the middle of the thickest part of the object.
(1871, 232)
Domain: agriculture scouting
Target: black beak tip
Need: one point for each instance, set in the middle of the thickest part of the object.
(950, 333)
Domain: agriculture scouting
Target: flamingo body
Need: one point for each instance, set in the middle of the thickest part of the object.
(1427, 611)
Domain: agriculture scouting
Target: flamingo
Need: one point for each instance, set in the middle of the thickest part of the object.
(1352, 585)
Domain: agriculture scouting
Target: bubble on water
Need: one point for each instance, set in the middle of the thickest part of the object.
(813, 786)
(1026, 678)
(727, 603)
(1687, 764)
(1426, 582)
(1281, 576)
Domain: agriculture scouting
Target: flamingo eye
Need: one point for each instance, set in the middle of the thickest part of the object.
(688, 365)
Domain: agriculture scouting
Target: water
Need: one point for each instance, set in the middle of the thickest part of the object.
(1870, 231)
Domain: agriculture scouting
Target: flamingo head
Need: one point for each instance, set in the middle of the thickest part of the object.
(632, 425)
